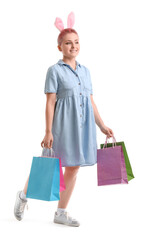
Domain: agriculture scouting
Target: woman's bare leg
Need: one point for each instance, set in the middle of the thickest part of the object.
(26, 186)
(70, 180)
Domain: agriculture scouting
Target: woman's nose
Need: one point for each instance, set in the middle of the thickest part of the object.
(73, 45)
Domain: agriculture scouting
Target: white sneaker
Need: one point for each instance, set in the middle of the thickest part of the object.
(65, 218)
(19, 207)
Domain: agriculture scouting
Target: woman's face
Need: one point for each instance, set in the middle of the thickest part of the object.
(70, 45)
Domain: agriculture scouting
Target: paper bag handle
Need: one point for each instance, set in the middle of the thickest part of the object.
(48, 152)
(114, 142)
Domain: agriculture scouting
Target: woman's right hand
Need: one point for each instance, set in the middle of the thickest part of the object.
(47, 140)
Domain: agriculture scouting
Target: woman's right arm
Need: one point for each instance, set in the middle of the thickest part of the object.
(49, 113)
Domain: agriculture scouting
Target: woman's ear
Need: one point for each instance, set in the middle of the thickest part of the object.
(59, 48)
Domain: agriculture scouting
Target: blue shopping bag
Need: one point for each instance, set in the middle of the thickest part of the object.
(44, 179)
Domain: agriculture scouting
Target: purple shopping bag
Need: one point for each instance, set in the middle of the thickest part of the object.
(111, 167)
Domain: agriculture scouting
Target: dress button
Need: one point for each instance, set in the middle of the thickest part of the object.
(79, 83)
(80, 94)
(80, 104)
(80, 115)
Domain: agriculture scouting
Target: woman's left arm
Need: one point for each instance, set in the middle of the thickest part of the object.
(106, 130)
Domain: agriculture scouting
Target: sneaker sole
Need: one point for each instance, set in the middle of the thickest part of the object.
(67, 224)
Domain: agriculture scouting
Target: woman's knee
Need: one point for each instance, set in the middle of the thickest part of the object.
(72, 170)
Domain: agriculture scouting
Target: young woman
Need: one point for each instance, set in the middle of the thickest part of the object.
(71, 118)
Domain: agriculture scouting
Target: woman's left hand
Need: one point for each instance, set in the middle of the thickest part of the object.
(107, 131)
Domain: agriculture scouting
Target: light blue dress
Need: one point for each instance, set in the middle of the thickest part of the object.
(74, 128)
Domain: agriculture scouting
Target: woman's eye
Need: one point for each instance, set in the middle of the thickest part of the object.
(69, 42)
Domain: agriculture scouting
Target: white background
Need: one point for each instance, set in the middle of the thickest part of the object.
(112, 46)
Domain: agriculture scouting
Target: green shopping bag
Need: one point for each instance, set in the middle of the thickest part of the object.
(127, 162)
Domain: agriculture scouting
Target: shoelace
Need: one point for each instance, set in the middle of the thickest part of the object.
(22, 206)
(68, 216)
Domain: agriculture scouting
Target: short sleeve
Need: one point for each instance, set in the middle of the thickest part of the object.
(90, 82)
(51, 82)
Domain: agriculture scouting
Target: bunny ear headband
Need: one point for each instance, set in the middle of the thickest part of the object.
(70, 22)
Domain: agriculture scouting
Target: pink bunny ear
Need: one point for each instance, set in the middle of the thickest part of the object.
(59, 24)
(70, 20)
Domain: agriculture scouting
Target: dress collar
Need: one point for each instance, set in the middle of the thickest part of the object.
(61, 62)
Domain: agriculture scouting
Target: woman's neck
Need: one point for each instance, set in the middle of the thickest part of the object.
(71, 62)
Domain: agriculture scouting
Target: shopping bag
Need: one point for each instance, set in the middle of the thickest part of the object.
(111, 167)
(44, 179)
(50, 153)
(130, 174)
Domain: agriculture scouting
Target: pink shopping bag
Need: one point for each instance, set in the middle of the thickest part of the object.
(111, 168)
(62, 184)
